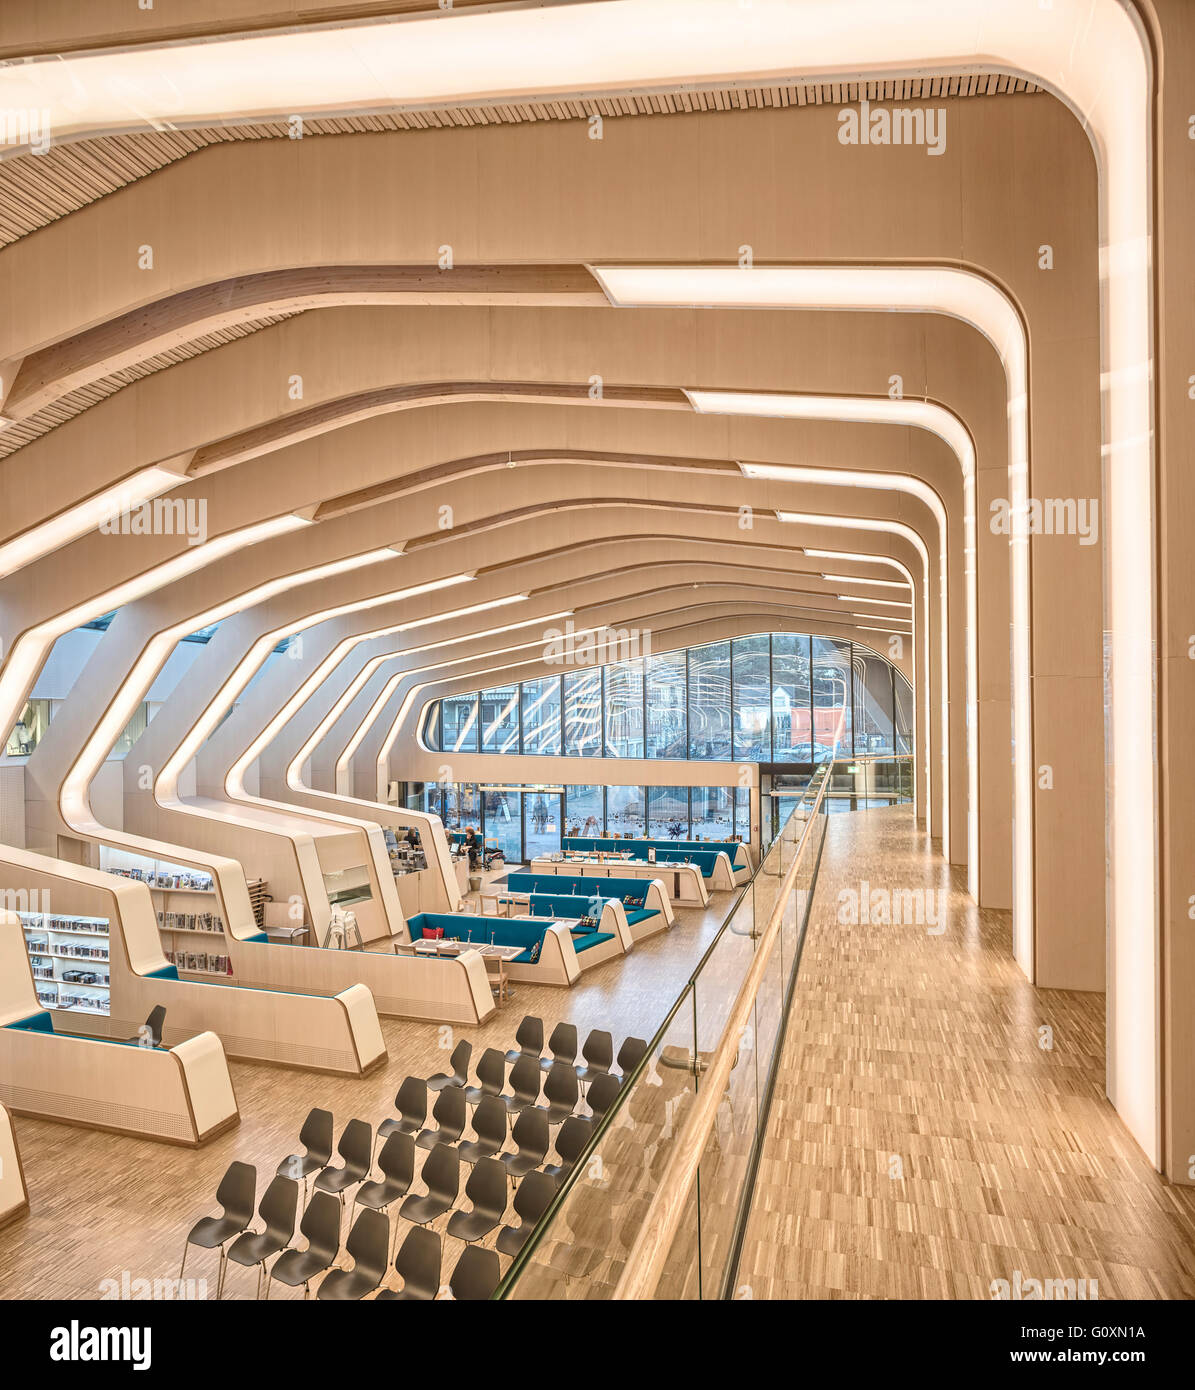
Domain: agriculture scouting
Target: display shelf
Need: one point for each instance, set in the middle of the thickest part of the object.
(192, 931)
(61, 936)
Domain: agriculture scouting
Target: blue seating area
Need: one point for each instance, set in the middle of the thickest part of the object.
(42, 1022)
(572, 897)
(701, 853)
(504, 931)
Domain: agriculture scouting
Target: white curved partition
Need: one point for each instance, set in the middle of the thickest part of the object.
(14, 1196)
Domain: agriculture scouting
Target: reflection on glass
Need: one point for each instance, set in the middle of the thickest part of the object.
(831, 667)
(500, 719)
(668, 813)
(461, 806)
(542, 812)
(583, 713)
(709, 701)
(624, 811)
(666, 724)
(541, 715)
(791, 719)
(752, 699)
(458, 722)
(713, 813)
(904, 714)
(503, 821)
(624, 709)
(873, 703)
(585, 809)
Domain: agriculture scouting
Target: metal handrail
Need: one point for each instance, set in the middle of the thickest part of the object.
(653, 1243)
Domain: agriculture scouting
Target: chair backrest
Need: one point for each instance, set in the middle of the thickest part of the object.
(278, 1208)
(486, 1188)
(525, 1078)
(489, 1120)
(154, 1024)
(491, 1071)
(238, 1188)
(356, 1146)
(533, 1195)
(531, 1133)
(462, 1055)
(574, 1135)
(530, 1037)
(369, 1244)
(450, 1111)
(411, 1101)
(599, 1050)
(476, 1274)
(601, 1094)
(630, 1053)
(563, 1042)
(316, 1135)
(397, 1158)
(442, 1173)
(321, 1225)
(561, 1086)
(418, 1261)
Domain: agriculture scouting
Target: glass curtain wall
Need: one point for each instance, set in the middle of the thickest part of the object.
(542, 812)
(831, 681)
(541, 716)
(750, 672)
(503, 808)
(668, 813)
(709, 701)
(583, 713)
(624, 811)
(585, 809)
(500, 719)
(667, 731)
(624, 709)
(791, 716)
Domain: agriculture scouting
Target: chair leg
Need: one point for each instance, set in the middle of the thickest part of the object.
(186, 1250)
(221, 1269)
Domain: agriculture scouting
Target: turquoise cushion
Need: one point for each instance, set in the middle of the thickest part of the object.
(583, 943)
(641, 915)
(257, 936)
(167, 972)
(35, 1023)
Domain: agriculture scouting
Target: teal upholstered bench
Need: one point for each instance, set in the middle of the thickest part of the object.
(502, 930)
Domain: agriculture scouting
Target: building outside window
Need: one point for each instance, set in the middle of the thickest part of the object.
(713, 813)
(499, 719)
(709, 701)
(831, 680)
(668, 813)
(752, 699)
(503, 807)
(542, 812)
(624, 709)
(791, 718)
(541, 716)
(667, 730)
(583, 713)
(458, 723)
(585, 809)
(624, 811)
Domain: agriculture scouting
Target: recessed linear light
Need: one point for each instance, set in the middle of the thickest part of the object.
(855, 579)
(879, 602)
(882, 617)
(894, 631)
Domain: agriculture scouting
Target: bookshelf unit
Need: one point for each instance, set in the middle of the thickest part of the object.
(61, 946)
(187, 908)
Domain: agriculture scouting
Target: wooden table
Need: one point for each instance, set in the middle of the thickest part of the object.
(491, 954)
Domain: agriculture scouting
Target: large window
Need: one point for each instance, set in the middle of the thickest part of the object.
(873, 703)
(752, 699)
(791, 719)
(667, 734)
(583, 713)
(624, 811)
(624, 709)
(462, 806)
(504, 821)
(709, 701)
(458, 724)
(713, 813)
(541, 715)
(500, 719)
(585, 809)
(781, 698)
(541, 811)
(668, 813)
(831, 667)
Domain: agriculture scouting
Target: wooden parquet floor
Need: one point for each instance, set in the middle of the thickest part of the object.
(921, 1142)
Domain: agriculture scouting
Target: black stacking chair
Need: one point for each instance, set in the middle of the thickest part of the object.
(561, 1091)
(530, 1039)
(491, 1072)
(356, 1148)
(599, 1057)
(418, 1262)
(600, 1096)
(411, 1104)
(459, 1062)
(150, 1032)
(277, 1211)
(486, 1189)
(562, 1045)
(397, 1162)
(574, 1135)
(524, 1083)
(369, 1246)
(316, 1138)
(442, 1177)
(531, 1134)
(321, 1227)
(531, 1201)
(236, 1192)
(450, 1114)
(476, 1274)
(489, 1124)
(628, 1056)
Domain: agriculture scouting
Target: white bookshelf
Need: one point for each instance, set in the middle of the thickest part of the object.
(60, 945)
(187, 908)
